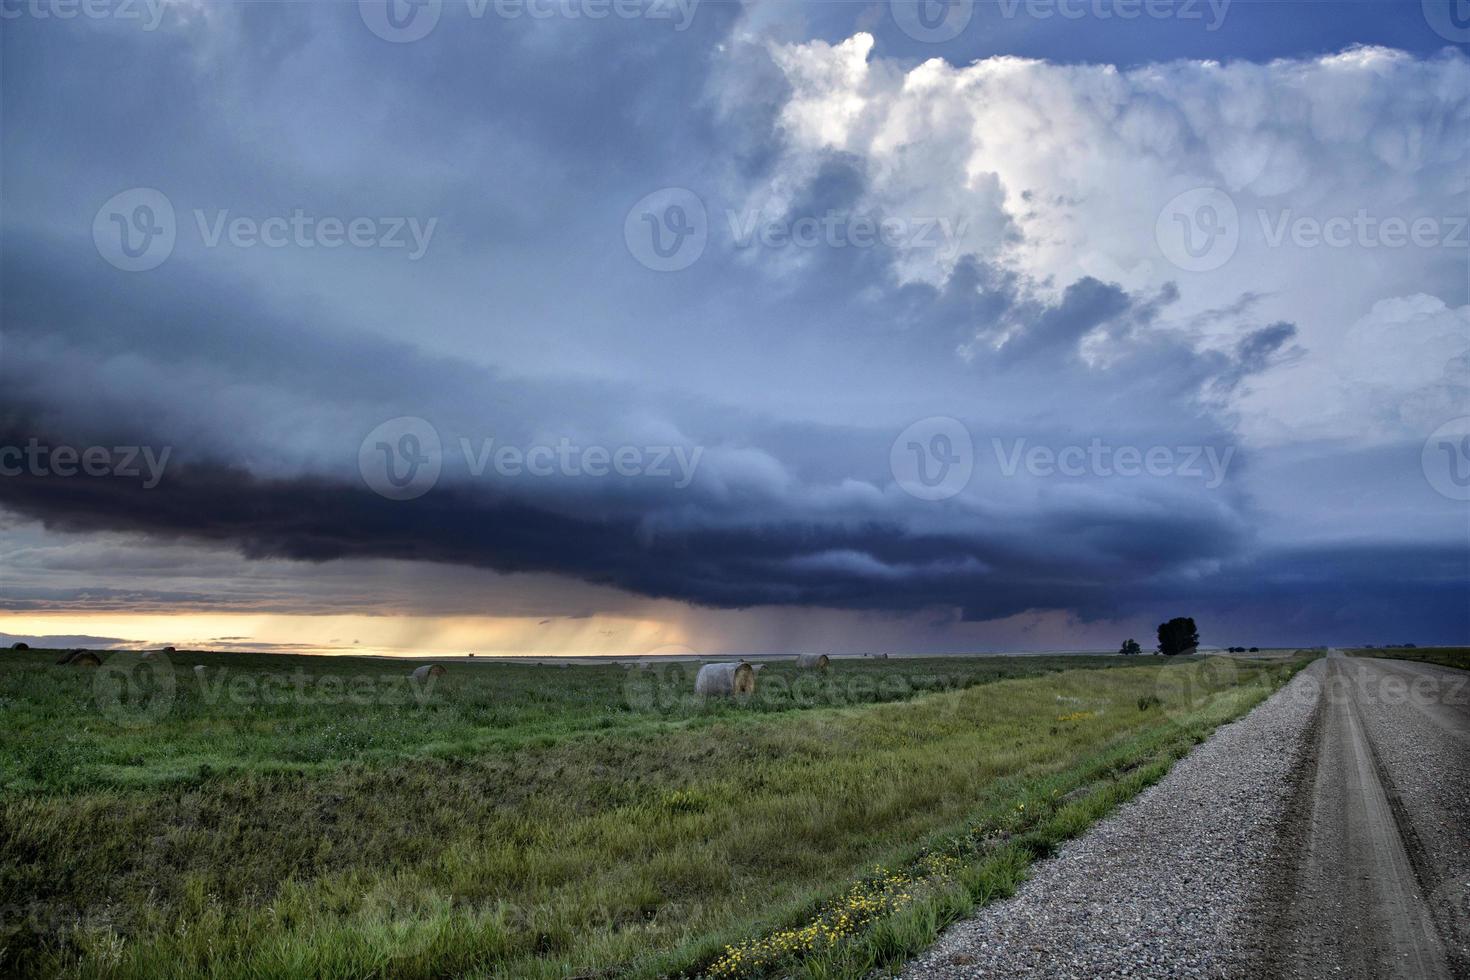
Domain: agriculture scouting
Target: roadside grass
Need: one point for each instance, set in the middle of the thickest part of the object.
(69, 729)
(903, 912)
(678, 844)
(1458, 657)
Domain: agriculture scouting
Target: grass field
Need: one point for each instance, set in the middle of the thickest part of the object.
(1443, 656)
(304, 816)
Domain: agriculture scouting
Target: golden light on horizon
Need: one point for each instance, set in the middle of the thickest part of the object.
(363, 635)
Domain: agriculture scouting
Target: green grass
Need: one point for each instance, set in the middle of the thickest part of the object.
(549, 822)
(1443, 656)
(71, 729)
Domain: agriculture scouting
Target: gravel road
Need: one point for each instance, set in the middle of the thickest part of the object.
(1277, 848)
(1373, 857)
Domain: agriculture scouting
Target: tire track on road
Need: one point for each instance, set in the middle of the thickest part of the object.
(1354, 901)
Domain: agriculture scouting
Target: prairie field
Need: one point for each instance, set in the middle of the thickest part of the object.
(248, 816)
(1458, 657)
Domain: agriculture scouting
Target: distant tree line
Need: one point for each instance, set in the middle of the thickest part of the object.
(1178, 636)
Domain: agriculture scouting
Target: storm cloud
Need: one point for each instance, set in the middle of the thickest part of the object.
(1008, 402)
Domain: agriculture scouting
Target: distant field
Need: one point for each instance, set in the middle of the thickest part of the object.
(1444, 656)
(272, 713)
(554, 822)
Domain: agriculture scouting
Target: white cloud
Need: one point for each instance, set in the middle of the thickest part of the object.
(1063, 172)
(1404, 368)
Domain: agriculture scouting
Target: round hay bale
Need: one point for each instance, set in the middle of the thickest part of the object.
(426, 671)
(817, 661)
(20, 646)
(65, 657)
(84, 658)
(725, 680)
(169, 650)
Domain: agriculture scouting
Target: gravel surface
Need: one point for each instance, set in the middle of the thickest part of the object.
(1418, 717)
(1413, 721)
(1165, 886)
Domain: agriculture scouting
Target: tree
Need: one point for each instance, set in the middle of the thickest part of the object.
(1130, 648)
(1177, 636)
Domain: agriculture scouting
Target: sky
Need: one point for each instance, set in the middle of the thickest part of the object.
(638, 326)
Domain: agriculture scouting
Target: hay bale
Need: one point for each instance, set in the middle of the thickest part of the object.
(65, 657)
(426, 671)
(725, 680)
(814, 661)
(20, 646)
(83, 658)
(169, 650)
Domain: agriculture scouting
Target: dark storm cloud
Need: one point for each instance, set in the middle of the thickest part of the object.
(1095, 564)
(142, 365)
(794, 369)
(1085, 305)
(988, 571)
(1338, 593)
(155, 354)
(1254, 353)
